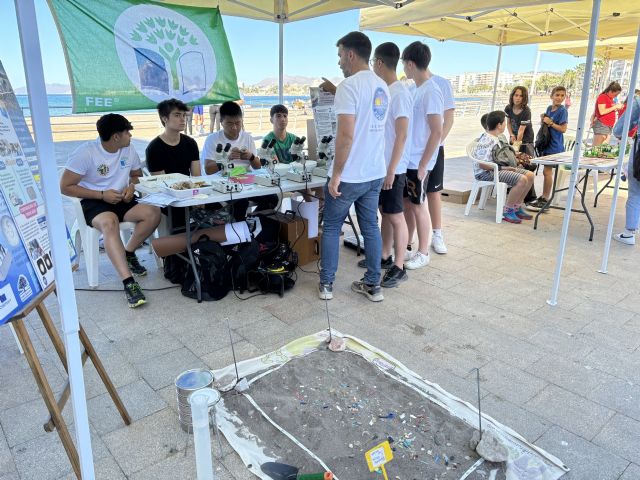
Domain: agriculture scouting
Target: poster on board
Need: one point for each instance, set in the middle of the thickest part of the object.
(324, 114)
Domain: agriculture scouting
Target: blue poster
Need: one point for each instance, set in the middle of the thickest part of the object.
(18, 281)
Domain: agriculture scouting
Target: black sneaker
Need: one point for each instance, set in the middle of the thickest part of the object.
(135, 267)
(537, 204)
(325, 291)
(385, 264)
(372, 292)
(394, 277)
(134, 294)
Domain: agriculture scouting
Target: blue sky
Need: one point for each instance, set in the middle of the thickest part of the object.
(309, 48)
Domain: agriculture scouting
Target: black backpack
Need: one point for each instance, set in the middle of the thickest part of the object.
(543, 139)
(175, 269)
(210, 260)
(243, 258)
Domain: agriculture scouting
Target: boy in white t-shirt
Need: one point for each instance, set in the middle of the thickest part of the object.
(396, 155)
(426, 135)
(435, 184)
(358, 170)
(242, 153)
(102, 173)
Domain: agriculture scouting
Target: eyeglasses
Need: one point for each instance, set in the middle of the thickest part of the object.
(373, 61)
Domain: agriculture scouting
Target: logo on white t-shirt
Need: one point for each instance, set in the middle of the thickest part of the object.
(380, 103)
(164, 53)
(103, 169)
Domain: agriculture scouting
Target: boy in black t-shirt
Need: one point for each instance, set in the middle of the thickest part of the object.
(172, 151)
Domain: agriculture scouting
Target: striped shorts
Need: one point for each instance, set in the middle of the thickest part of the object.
(509, 177)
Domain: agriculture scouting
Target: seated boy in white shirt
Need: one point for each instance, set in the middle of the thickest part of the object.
(242, 154)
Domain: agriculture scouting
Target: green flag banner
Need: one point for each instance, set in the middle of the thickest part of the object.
(128, 54)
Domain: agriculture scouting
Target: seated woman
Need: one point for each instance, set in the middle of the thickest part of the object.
(519, 179)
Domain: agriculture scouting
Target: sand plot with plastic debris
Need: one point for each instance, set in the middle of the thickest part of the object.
(314, 409)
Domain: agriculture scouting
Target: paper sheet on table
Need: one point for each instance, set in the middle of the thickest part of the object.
(309, 211)
(158, 199)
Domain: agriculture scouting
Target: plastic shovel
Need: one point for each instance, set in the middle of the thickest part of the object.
(282, 471)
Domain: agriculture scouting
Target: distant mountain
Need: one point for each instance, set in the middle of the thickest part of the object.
(52, 89)
(293, 80)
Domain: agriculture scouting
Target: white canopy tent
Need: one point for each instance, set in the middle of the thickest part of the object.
(540, 23)
(34, 75)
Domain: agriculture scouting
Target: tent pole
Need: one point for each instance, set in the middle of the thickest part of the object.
(623, 143)
(34, 75)
(584, 99)
(495, 81)
(532, 90)
(281, 56)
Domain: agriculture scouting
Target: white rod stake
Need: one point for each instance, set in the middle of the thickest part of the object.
(623, 145)
(34, 74)
(495, 80)
(584, 99)
(199, 402)
(281, 53)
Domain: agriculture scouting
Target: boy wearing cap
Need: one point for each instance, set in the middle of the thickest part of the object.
(102, 173)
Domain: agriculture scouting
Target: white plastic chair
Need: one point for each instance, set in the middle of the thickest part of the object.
(89, 237)
(486, 187)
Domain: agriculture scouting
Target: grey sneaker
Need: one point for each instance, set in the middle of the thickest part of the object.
(325, 291)
(372, 292)
(394, 277)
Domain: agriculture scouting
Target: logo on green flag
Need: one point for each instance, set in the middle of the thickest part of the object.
(147, 53)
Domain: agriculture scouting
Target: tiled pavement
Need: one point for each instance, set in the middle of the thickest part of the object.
(565, 377)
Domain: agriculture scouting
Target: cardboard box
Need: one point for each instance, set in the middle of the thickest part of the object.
(294, 230)
(456, 192)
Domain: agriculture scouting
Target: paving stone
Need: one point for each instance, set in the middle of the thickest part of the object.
(223, 357)
(576, 377)
(105, 469)
(120, 371)
(155, 437)
(266, 333)
(614, 362)
(458, 358)
(509, 382)
(6, 460)
(508, 349)
(619, 395)
(44, 457)
(586, 460)
(25, 422)
(527, 424)
(621, 436)
(18, 384)
(162, 370)
(139, 399)
(570, 411)
(562, 343)
(150, 344)
(631, 473)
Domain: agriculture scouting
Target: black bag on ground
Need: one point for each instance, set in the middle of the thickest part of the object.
(210, 260)
(243, 258)
(175, 268)
(276, 272)
(543, 139)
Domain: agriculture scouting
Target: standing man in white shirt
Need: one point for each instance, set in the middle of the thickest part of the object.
(396, 155)
(102, 173)
(358, 170)
(435, 183)
(426, 134)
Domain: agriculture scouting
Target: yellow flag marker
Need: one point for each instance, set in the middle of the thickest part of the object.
(378, 456)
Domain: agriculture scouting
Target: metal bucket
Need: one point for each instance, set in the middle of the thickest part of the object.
(187, 383)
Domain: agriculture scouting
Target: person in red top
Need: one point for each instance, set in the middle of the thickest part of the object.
(604, 117)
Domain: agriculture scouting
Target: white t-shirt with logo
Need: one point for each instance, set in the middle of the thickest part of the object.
(401, 106)
(100, 169)
(244, 140)
(366, 96)
(447, 93)
(427, 100)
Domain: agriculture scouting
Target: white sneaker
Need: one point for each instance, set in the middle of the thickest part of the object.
(626, 238)
(437, 243)
(408, 255)
(419, 260)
